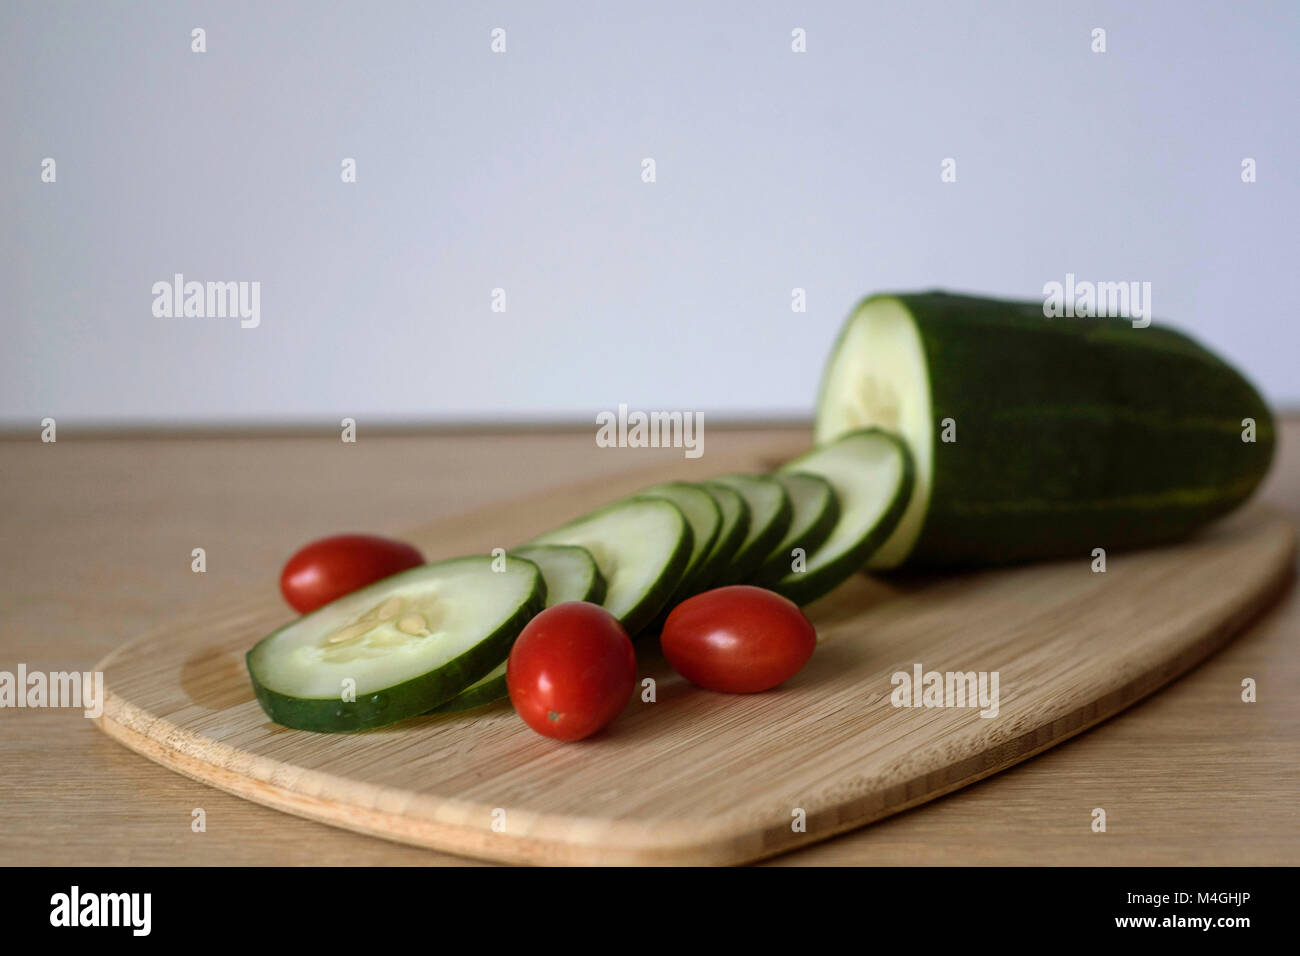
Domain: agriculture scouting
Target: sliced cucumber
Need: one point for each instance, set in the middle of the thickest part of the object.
(769, 518)
(735, 526)
(641, 545)
(816, 509)
(705, 519)
(571, 574)
(878, 375)
(873, 475)
(396, 648)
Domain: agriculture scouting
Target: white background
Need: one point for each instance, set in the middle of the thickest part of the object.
(523, 171)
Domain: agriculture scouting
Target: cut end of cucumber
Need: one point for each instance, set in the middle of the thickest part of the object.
(878, 376)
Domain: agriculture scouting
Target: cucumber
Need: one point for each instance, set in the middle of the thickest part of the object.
(705, 519)
(569, 571)
(872, 474)
(641, 545)
(408, 642)
(1071, 434)
(735, 527)
(769, 518)
(815, 511)
(570, 574)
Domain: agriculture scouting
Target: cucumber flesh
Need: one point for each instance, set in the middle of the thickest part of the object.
(571, 574)
(705, 519)
(879, 377)
(732, 534)
(871, 472)
(815, 512)
(396, 648)
(1039, 438)
(641, 545)
(769, 518)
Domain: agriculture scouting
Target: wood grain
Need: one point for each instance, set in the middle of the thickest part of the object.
(696, 777)
(95, 548)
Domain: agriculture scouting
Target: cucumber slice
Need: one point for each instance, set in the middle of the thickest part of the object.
(571, 574)
(408, 643)
(705, 519)
(816, 509)
(872, 473)
(735, 526)
(1066, 434)
(878, 375)
(769, 518)
(641, 545)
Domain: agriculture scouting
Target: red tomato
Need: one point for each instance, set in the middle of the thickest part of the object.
(332, 567)
(571, 671)
(738, 639)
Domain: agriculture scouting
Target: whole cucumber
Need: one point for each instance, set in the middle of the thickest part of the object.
(1042, 437)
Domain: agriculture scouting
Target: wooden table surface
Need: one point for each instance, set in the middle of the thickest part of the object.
(95, 543)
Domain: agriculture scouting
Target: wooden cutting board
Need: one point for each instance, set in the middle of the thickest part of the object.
(697, 777)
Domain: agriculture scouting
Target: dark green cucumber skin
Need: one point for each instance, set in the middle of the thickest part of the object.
(806, 587)
(475, 697)
(744, 563)
(1074, 434)
(777, 564)
(730, 538)
(408, 699)
(495, 689)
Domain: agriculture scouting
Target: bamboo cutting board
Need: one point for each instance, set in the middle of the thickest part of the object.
(697, 777)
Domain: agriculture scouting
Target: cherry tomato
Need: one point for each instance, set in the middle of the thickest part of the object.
(571, 671)
(738, 639)
(332, 567)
